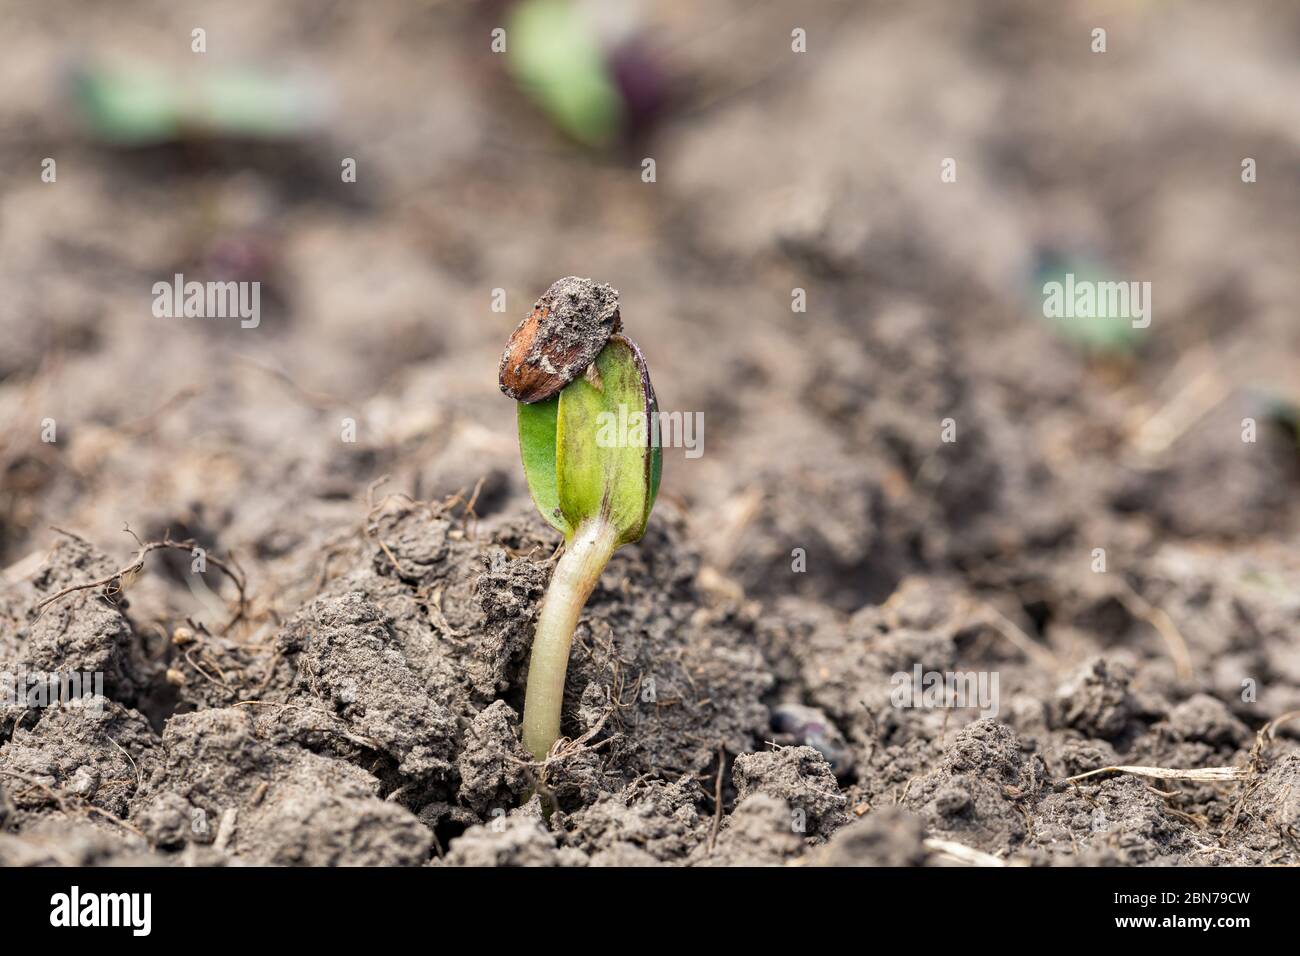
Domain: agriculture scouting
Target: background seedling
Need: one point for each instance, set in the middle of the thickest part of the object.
(145, 107)
(556, 58)
(567, 367)
(1101, 335)
(588, 67)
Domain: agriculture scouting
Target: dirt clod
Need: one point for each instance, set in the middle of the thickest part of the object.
(803, 779)
(889, 836)
(493, 764)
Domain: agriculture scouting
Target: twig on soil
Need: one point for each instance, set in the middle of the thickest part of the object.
(960, 853)
(391, 557)
(717, 799)
(91, 808)
(566, 748)
(1008, 628)
(1165, 773)
(434, 606)
(374, 509)
(1189, 404)
(1266, 732)
(122, 576)
(143, 426)
(1164, 625)
(468, 513)
(1195, 819)
(270, 673)
(226, 828)
(317, 400)
(1229, 774)
(139, 779)
(1255, 759)
(215, 680)
(736, 516)
(62, 797)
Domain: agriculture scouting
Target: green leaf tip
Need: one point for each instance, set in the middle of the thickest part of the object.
(590, 451)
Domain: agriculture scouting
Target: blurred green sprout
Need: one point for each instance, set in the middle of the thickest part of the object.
(556, 57)
(1097, 330)
(145, 107)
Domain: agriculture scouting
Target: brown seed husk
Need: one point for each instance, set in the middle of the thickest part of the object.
(555, 343)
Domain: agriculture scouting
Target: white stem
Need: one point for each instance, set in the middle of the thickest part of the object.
(576, 574)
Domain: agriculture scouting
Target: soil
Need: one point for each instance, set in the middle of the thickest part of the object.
(324, 662)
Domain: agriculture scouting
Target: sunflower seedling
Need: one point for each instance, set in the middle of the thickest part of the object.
(568, 366)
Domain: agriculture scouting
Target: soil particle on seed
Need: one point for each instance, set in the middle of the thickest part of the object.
(564, 333)
(802, 778)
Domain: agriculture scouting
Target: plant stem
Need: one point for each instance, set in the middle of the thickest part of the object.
(576, 574)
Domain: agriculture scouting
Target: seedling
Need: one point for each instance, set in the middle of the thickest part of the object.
(555, 55)
(567, 365)
(1099, 334)
(140, 107)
